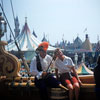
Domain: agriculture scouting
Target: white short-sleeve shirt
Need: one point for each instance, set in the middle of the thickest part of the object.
(62, 65)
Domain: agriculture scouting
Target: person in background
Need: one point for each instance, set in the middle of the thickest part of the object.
(97, 78)
(38, 68)
(67, 73)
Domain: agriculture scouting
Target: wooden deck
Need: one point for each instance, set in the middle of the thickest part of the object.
(20, 88)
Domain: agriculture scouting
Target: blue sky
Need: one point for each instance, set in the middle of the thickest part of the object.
(58, 19)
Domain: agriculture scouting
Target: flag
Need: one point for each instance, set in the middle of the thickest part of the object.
(85, 30)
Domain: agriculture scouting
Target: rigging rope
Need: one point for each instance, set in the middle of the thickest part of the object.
(12, 10)
(2, 3)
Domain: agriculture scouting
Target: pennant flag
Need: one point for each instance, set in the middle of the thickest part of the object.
(85, 30)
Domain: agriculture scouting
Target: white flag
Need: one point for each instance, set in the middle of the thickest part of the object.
(85, 30)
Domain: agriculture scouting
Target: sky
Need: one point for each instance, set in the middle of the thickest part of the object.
(57, 19)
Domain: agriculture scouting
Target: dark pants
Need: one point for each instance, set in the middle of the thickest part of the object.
(42, 84)
(97, 90)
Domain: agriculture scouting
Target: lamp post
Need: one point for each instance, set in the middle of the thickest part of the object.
(2, 26)
(83, 57)
(76, 59)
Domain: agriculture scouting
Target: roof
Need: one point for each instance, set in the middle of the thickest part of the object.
(26, 41)
(83, 70)
(78, 41)
(44, 38)
(87, 45)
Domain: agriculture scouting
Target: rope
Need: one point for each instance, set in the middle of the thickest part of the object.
(12, 10)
